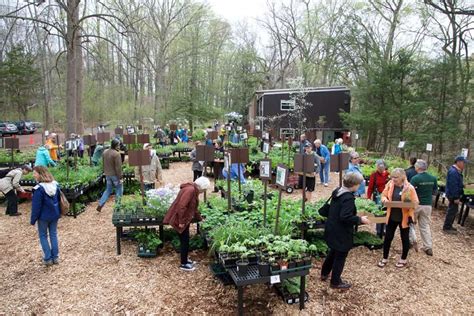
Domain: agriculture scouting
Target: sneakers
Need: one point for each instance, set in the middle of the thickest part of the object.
(193, 263)
(99, 208)
(15, 214)
(187, 267)
(324, 277)
(48, 263)
(429, 252)
(326, 184)
(341, 286)
(56, 261)
(414, 245)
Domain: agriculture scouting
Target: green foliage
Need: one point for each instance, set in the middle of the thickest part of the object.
(199, 134)
(18, 156)
(366, 238)
(149, 239)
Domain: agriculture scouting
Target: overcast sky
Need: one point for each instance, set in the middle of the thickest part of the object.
(237, 10)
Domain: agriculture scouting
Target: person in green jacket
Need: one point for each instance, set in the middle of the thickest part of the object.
(426, 186)
(97, 156)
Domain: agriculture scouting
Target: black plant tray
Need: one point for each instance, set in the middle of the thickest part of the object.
(142, 252)
(287, 297)
(221, 274)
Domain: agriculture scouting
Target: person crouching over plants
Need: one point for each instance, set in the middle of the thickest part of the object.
(9, 185)
(182, 212)
(151, 172)
(398, 189)
(339, 229)
(45, 210)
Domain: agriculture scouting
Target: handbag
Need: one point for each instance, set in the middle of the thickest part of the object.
(324, 210)
(63, 203)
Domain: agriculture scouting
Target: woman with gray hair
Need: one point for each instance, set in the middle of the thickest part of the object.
(378, 180)
(339, 229)
(354, 166)
(182, 212)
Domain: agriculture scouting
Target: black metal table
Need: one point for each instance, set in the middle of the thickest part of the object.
(253, 277)
(467, 204)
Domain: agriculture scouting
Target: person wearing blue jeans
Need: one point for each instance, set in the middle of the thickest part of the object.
(113, 173)
(46, 211)
(325, 155)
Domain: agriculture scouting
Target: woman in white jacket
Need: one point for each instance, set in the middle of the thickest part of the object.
(9, 185)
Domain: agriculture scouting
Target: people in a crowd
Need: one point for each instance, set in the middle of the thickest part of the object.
(182, 212)
(151, 173)
(325, 155)
(197, 165)
(173, 137)
(234, 172)
(378, 180)
(160, 136)
(337, 147)
(454, 191)
(97, 156)
(426, 185)
(113, 173)
(339, 229)
(43, 157)
(354, 166)
(411, 172)
(46, 211)
(53, 147)
(80, 147)
(9, 185)
(311, 177)
(398, 189)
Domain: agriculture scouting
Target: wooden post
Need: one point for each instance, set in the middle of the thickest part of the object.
(304, 189)
(265, 185)
(142, 184)
(238, 176)
(277, 220)
(339, 158)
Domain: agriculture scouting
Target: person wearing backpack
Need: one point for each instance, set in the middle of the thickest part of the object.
(378, 180)
(339, 229)
(46, 210)
(9, 185)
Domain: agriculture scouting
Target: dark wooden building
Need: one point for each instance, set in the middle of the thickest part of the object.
(322, 115)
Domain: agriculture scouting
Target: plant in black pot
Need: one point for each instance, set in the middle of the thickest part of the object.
(243, 263)
(264, 266)
(290, 258)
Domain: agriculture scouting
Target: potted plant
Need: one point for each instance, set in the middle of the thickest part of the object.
(148, 242)
(273, 264)
(243, 264)
(290, 259)
(264, 266)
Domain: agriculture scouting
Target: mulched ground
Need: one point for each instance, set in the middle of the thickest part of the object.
(91, 278)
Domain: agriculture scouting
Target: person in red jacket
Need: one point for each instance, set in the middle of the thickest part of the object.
(377, 182)
(182, 212)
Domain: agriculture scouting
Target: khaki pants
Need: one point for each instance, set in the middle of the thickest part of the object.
(423, 218)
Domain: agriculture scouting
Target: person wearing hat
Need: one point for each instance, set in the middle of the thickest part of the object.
(9, 185)
(113, 173)
(454, 191)
(151, 172)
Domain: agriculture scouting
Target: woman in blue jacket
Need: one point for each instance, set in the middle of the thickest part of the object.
(45, 210)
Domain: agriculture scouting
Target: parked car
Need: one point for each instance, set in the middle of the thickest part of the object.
(8, 129)
(37, 124)
(25, 127)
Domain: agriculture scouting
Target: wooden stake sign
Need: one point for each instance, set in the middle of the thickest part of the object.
(143, 138)
(129, 139)
(281, 182)
(265, 176)
(227, 166)
(139, 158)
(89, 140)
(304, 164)
(13, 144)
(118, 131)
(212, 135)
(239, 156)
(103, 137)
(206, 154)
(339, 163)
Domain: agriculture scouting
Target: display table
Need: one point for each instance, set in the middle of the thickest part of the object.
(467, 203)
(253, 277)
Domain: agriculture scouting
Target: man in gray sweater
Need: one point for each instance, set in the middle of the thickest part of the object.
(113, 173)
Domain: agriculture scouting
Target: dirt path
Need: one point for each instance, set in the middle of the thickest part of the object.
(91, 278)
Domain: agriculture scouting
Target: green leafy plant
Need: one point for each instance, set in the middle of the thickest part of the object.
(149, 239)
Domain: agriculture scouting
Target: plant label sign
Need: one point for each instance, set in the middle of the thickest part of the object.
(243, 136)
(266, 136)
(304, 163)
(265, 169)
(274, 279)
(129, 139)
(282, 176)
(103, 137)
(1, 143)
(401, 144)
(266, 148)
(239, 128)
(143, 138)
(204, 153)
(356, 136)
(12, 143)
(465, 152)
(227, 162)
(229, 128)
(429, 147)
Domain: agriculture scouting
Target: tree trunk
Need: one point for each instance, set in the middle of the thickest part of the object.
(71, 89)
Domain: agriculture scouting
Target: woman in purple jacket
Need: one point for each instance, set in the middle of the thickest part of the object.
(45, 210)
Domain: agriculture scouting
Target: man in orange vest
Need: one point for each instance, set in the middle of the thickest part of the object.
(53, 147)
